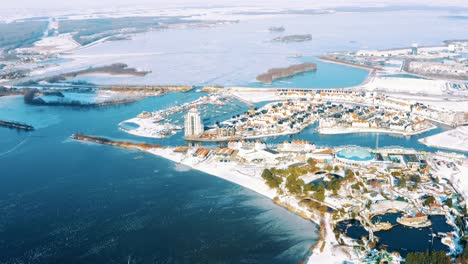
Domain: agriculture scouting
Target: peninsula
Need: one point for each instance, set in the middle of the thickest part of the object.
(333, 186)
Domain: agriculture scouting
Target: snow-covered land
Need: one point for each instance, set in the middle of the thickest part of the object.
(407, 85)
(456, 139)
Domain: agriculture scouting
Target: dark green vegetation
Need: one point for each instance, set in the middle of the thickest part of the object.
(20, 34)
(429, 200)
(89, 30)
(271, 180)
(438, 257)
(463, 257)
(295, 185)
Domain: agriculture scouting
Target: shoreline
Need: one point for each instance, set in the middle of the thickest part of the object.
(258, 186)
(441, 147)
(227, 172)
(326, 248)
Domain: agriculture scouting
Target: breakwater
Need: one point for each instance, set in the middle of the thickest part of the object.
(16, 125)
(347, 63)
(122, 144)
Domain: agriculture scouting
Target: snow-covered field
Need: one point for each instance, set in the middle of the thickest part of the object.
(147, 127)
(407, 85)
(56, 44)
(456, 139)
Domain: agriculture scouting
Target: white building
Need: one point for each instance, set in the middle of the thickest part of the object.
(361, 124)
(193, 123)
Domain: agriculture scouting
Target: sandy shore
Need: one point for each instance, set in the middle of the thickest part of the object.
(250, 177)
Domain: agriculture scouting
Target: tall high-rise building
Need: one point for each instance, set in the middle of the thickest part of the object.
(414, 49)
(193, 123)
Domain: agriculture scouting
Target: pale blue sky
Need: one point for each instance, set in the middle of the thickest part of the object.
(73, 4)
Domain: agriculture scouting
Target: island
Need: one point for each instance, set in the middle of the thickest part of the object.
(276, 29)
(293, 38)
(76, 99)
(279, 73)
(113, 69)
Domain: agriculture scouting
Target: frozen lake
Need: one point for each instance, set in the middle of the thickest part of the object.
(234, 54)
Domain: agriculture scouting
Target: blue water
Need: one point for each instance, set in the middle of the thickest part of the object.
(352, 228)
(363, 139)
(85, 203)
(328, 75)
(413, 240)
(388, 217)
(55, 61)
(403, 76)
(129, 125)
(63, 201)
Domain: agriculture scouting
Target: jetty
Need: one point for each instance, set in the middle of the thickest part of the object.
(330, 59)
(122, 144)
(16, 125)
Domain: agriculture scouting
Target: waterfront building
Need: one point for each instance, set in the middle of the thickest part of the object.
(414, 49)
(321, 155)
(193, 123)
(360, 124)
(327, 122)
(202, 152)
(264, 156)
(296, 146)
(226, 131)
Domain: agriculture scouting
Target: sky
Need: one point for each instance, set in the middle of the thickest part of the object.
(73, 4)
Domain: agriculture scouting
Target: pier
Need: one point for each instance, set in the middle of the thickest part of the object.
(16, 125)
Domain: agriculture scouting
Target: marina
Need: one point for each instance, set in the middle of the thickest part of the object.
(339, 163)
